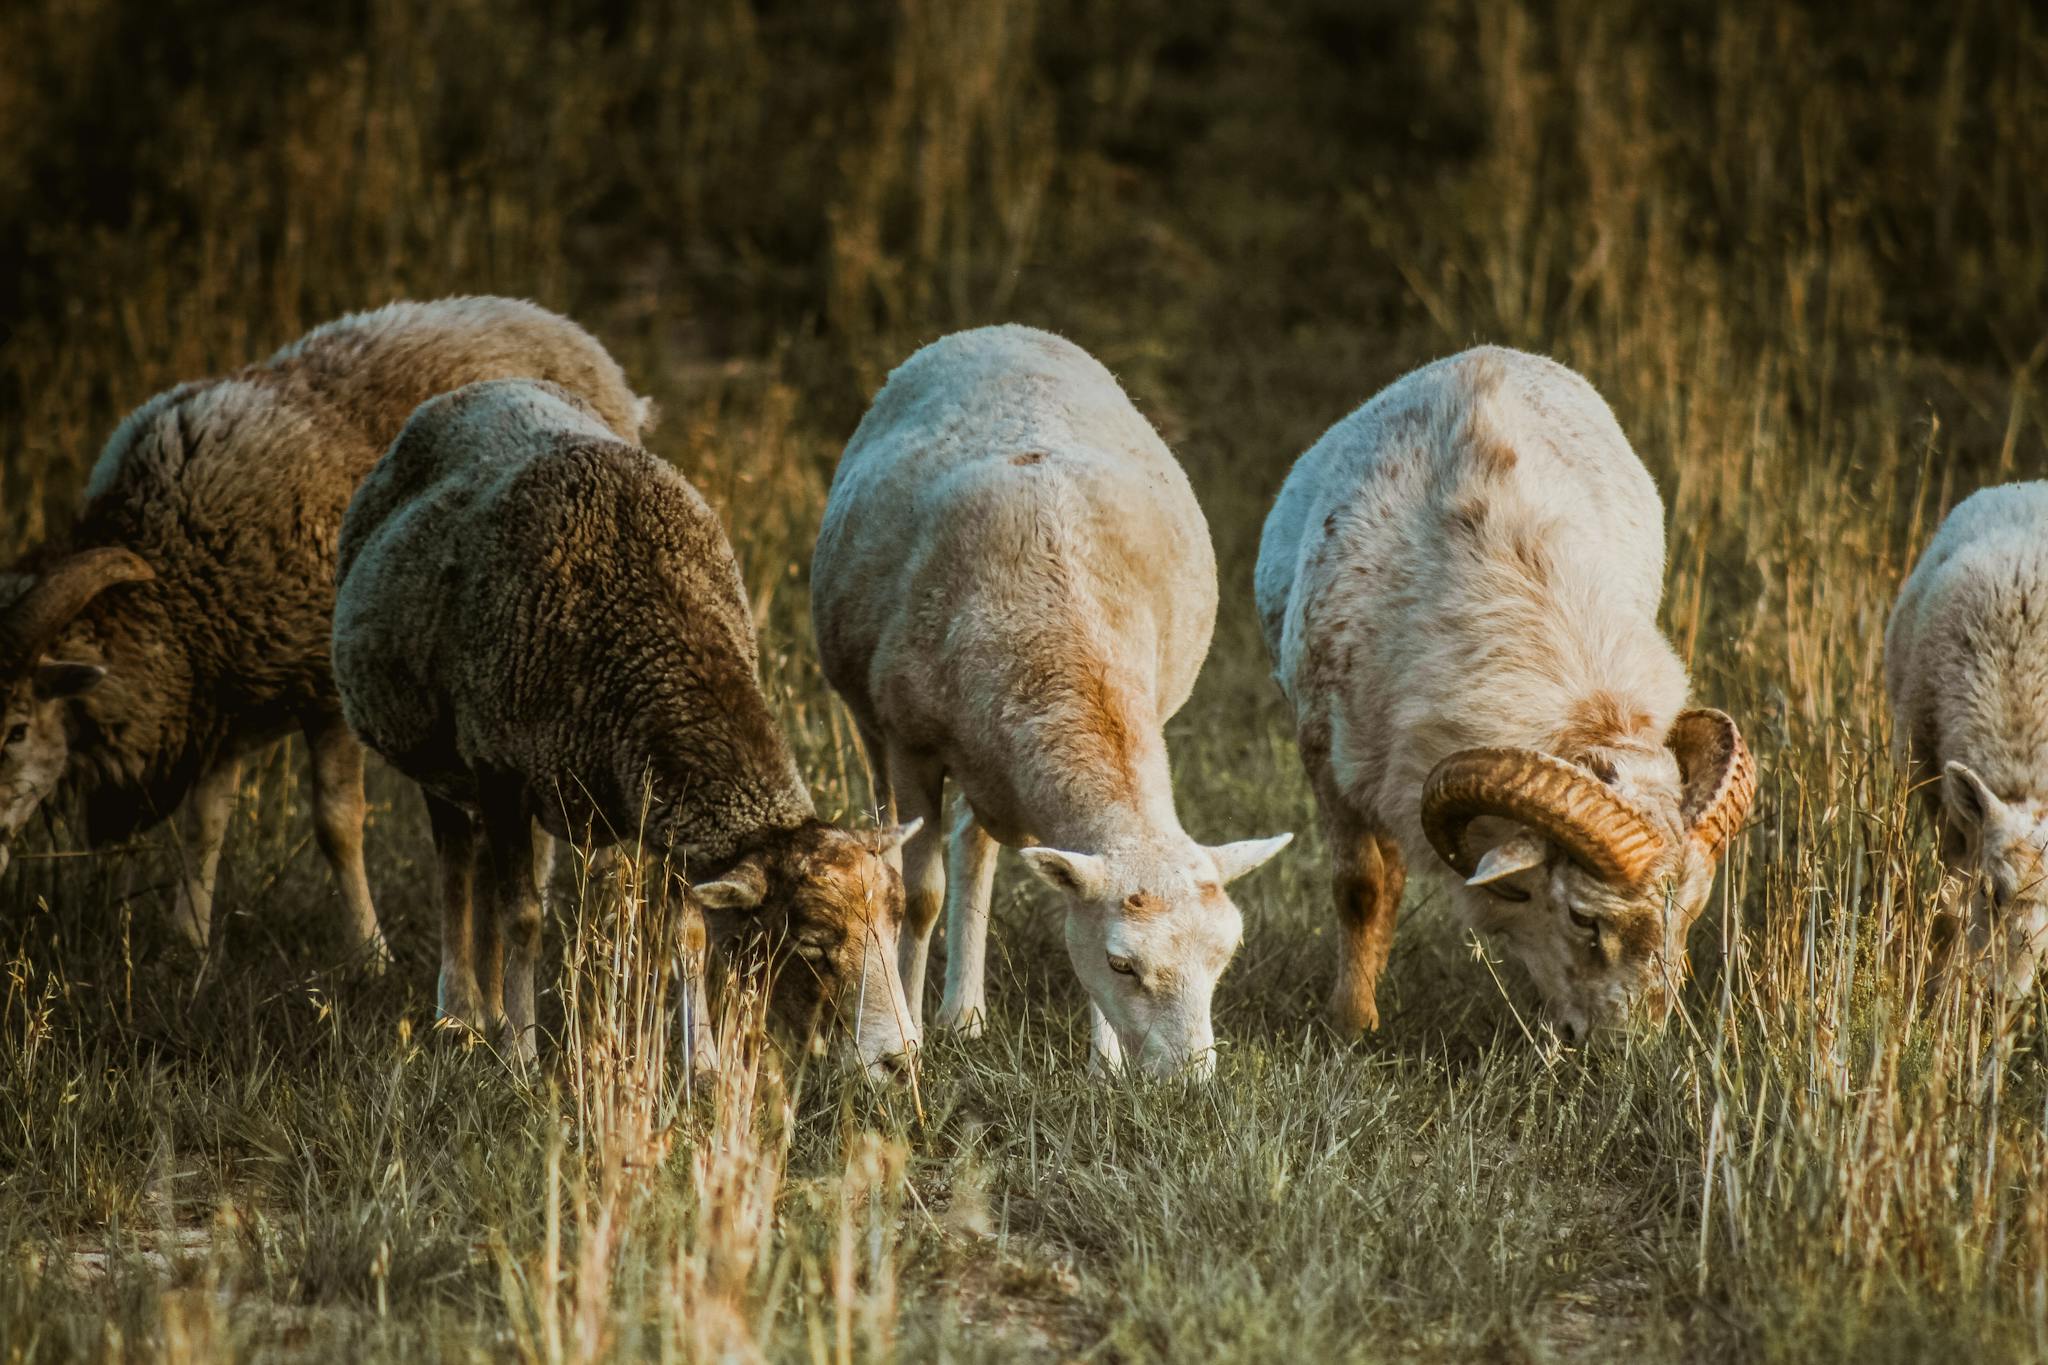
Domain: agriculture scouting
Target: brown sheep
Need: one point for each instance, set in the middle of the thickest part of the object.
(183, 622)
(539, 621)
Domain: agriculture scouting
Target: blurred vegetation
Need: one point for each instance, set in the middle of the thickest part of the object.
(1804, 252)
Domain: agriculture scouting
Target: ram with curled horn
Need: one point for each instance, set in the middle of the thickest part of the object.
(187, 626)
(1459, 586)
(37, 687)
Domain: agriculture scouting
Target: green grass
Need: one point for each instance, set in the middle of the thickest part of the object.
(1805, 259)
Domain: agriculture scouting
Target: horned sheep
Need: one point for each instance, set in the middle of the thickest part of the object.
(1014, 588)
(1966, 667)
(538, 621)
(1459, 585)
(183, 622)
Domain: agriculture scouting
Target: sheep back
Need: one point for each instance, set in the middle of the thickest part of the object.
(1966, 650)
(1002, 478)
(526, 597)
(1467, 560)
(233, 490)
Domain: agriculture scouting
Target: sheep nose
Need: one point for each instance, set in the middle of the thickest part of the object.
(896, 1068)
(1568, 1029)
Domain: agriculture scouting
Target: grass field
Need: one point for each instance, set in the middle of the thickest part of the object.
(1807, 264)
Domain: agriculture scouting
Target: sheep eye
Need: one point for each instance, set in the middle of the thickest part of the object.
(813, 949)
(18, 733)
(1587, 922)
(1123, 966)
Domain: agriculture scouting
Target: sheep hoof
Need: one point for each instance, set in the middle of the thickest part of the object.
(967, 1021)
(459, 1008)
(1351, 1018)
(193, 919)
(517, 1045)
(375, 955)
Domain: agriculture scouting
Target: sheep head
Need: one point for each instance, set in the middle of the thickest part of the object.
(1595, 876)
(35, 689)
(821, 907)
(2002, 896)
(1150, 930)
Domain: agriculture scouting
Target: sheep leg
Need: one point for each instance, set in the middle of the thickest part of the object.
(970, 879)
(547, 851)
(516, 914)
(212, 805)
(1366, 880)
(920, 789)
(879, 786)
(698, 1030)
(338, 811)
(459, 996)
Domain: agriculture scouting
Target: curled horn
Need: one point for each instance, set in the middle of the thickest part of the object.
(1718, 774)
(59, 594)
(1563, 802)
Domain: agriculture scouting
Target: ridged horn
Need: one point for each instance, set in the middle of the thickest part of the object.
(1718, 775)
(1561, 801)
(59, 594)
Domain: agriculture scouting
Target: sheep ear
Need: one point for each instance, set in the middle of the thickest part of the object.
(1079, 874)
(884, 841)
(1234, 860)
(55, 680)
(1504, 860)
(1971, 804)
(743, 888)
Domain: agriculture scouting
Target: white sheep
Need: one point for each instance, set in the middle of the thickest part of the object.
(1458, 585)
(1966, 666)
(1014, 588)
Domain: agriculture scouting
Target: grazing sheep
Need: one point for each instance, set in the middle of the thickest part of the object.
(539, 621)
(1459, 587)
(183, 624)
(1966, 665)
(1014, 587)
